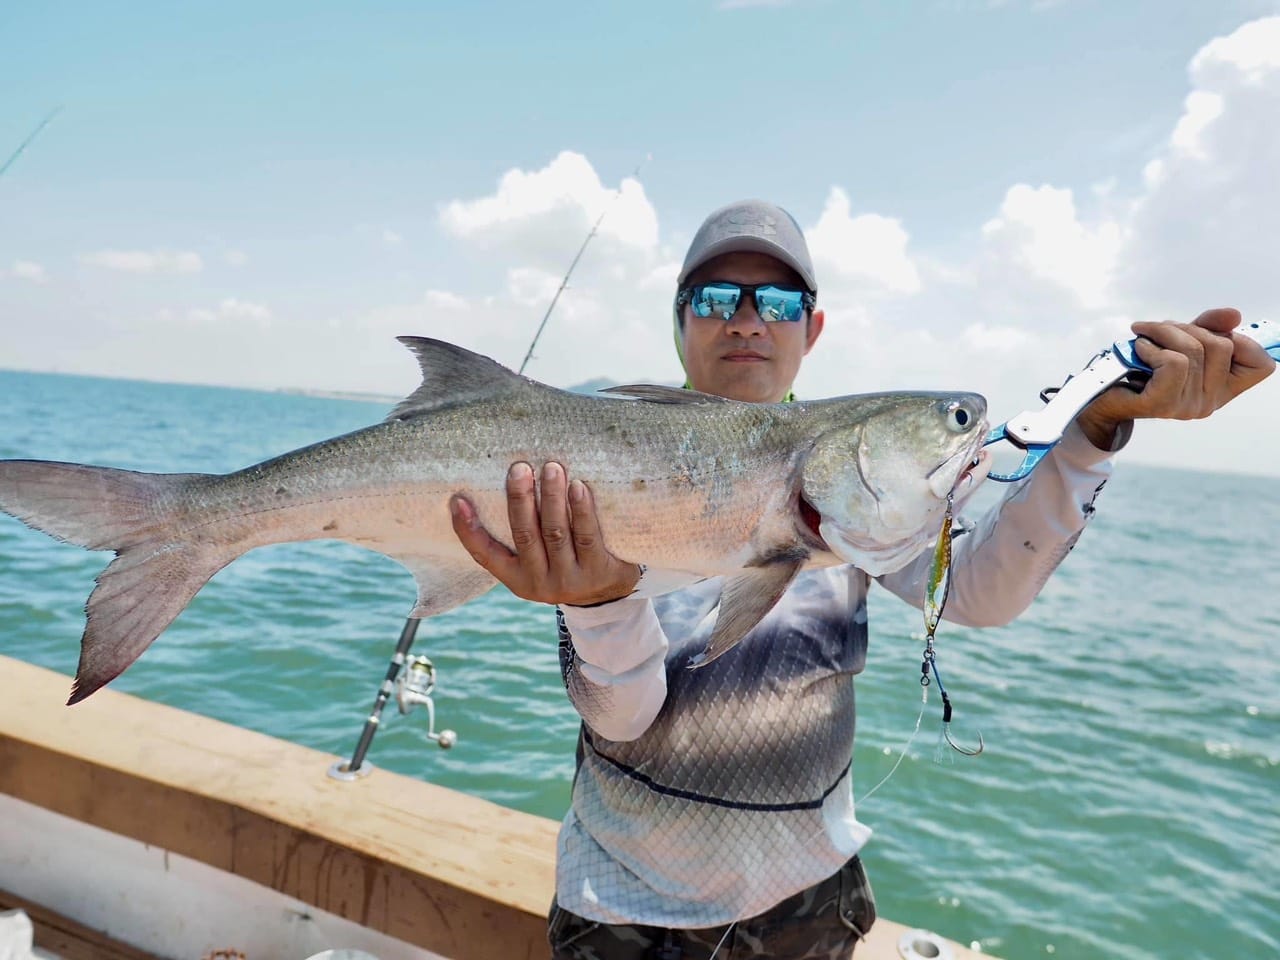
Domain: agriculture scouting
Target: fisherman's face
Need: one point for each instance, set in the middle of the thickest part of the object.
(745, 358)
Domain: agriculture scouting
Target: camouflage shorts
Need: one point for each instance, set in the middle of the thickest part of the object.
(824, 922)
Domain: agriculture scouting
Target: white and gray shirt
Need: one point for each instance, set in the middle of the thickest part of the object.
(707, 796)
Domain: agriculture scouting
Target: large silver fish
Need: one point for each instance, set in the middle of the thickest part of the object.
(690, 485)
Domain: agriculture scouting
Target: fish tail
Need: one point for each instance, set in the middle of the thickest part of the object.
(155, 573)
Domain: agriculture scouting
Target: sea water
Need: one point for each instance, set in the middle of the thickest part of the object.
(1127, 804)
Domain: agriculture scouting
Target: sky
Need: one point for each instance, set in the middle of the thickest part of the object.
(266, 195)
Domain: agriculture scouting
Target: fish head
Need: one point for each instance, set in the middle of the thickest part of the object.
(879, 482)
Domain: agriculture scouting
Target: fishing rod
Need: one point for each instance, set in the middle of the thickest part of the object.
(30, 139)
(411, 689)
(635, 175)
(414, 688)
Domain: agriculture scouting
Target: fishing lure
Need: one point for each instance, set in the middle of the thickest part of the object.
(935, 599)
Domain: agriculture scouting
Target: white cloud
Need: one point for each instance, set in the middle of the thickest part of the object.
(867, 251)
(1205, 230)
(1200, 110)
(531, 287)
(380, 235)
(1060, 275)
(542, 217)
(244, 310)
(1039, 230)
(1250, 55)
(145, 262)
(527, 232)
(229, 309)
(29, 270)
(444, 300)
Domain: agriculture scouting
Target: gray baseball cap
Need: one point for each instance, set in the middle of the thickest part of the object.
(750, 226)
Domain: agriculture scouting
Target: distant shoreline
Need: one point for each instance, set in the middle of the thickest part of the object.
(334, 394)
(587, 386)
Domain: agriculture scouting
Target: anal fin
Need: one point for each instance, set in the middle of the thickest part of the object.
(443, 583)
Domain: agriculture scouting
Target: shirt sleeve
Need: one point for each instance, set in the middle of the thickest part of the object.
(613, 661)
(1001, 563)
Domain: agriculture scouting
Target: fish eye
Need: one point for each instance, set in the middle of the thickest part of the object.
(960, 416)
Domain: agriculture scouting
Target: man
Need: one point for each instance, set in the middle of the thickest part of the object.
(712, 808)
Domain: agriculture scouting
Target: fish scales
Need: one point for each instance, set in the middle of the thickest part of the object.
(383, 484)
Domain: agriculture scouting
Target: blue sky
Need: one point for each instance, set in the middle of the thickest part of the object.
(265, 194)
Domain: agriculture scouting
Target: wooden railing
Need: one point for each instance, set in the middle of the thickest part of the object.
(456, 875)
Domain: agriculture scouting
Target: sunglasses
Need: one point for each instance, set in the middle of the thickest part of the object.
(722, 297)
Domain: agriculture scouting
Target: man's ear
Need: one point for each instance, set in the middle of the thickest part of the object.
(817, 319)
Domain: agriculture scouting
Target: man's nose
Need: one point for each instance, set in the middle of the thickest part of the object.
(745, 321)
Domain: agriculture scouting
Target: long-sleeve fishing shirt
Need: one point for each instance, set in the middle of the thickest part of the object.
(707, 796)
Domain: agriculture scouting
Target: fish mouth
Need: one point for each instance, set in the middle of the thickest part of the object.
(973, 475)
(960, 474)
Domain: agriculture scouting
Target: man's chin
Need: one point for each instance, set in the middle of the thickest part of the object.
(748, 386)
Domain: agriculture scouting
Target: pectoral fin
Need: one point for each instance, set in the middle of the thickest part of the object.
(746, 599)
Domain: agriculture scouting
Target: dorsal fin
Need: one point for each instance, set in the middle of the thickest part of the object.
(655, 393)
(449, 374)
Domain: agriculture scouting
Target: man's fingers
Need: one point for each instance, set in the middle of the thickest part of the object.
(1219, 319)
(553, 507)
(1250, 363)
(1168, 379)
(522, 511)
(491, 554)
(593, 554)
(1199, 366)
(1217, 387)
(586, 525)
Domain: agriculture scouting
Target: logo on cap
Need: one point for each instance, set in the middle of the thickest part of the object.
(764, 224)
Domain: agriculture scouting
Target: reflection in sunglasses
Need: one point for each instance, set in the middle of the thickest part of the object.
(773, 303)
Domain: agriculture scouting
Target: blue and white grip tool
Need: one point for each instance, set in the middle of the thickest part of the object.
(1036, 432)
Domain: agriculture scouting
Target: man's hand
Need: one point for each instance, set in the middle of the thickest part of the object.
(1198, 368)
(560, 555)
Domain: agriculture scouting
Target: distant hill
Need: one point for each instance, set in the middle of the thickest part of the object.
(591, 386)
(599, 383)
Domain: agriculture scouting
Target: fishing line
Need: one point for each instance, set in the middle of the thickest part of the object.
(30, 139)
(727, 930)
(924, 699)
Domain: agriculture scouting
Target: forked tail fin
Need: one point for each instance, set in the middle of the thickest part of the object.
(154, 575)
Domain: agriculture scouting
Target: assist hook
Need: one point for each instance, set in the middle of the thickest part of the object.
(946, 728)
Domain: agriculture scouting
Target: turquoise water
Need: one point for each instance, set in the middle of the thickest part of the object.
(1127, 805)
